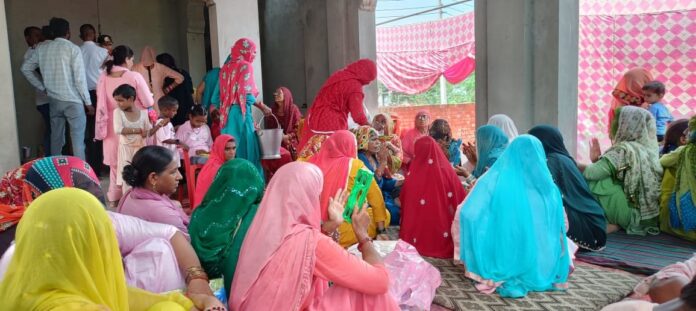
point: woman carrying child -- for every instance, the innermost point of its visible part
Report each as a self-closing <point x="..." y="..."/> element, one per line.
<point x="117" y="72"/>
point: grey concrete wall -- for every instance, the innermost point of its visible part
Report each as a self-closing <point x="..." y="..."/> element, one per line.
<point x="307" y="40"/>
<point x="136" y="23"/>
<point x="192" y="12"/>
<point x="283" y="50"/>
<point x="527" y="63"/>
<point x="231" y="20"/>
<point x="9" y="153"/>
<point x="316" y="49"/>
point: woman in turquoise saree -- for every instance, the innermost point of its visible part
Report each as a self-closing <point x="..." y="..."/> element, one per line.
<point x="218" y="226"/>
<point x="512" y="230"/>
<point x="238" y="94"/>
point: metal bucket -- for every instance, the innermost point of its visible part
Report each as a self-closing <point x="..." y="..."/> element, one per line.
<point x="270" y="140"/>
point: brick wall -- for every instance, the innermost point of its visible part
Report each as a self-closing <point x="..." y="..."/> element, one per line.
<point x="461" y="117"/>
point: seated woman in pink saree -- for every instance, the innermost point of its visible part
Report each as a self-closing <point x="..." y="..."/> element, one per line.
<point x="292" y="269"/>
<point x="409" y="137"/>
<point x="154" y="175"/>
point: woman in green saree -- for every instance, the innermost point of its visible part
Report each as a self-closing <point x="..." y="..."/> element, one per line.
<point x="677" y="205"/>
<point x="626" y="178"/>
<point x="218" y="226"/>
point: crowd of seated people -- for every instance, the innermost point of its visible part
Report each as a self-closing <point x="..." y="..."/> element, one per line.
<point x="512" y="209"/>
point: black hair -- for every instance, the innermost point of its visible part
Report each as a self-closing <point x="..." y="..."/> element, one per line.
<point x="28" y="30"/>
<point x="119" y="54"/>
<point x="59" y="26"/>
<point x="197" y="111"/>
<point x="148" y="160"/>
<point x="47" y="32"/>
<point x="440" y="130"/>
<point x="85" y="28"/>
<point x="166" y="102"/>
<point x="125" y="91"/>
<point x="674" y="132"/>
<point x="167" y="60"/>
<point x="688" y="294"/>
<point x="102" y="39"/>
<point x="656" y="87"/>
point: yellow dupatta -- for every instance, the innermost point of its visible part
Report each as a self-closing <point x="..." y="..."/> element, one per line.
<point x="67" y="258"/>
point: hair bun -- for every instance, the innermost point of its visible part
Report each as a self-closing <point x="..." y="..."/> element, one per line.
<point x="130" y="175"/>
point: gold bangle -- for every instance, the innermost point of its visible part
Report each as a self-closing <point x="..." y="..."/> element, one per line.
<point x="195" y="272"/>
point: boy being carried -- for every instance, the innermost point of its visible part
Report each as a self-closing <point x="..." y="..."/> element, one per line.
<point x="654" y="91"/>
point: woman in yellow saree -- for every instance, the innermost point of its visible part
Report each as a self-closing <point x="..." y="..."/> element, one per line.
<point x="67" y="258"/>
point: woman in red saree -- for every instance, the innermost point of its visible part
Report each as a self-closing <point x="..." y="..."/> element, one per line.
<point x="426" y="216"/>
<point x="629" y="90"/>
<point x="408" y="138"/>
<point x="12" y="203"/>
<point x="340" y="95"/>
<point x="288" y="118"/>
<point x="224" y="149"/>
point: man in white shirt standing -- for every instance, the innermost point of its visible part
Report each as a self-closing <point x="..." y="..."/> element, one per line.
<point x="94" y="57"/>
<point x="33" y="37"/>
<point x="63" y="72"/>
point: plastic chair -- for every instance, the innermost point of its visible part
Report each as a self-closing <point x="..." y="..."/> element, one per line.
<point x="191" y="171"/>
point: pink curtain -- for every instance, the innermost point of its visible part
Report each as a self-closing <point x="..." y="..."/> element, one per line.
<point x="411" y="58"/>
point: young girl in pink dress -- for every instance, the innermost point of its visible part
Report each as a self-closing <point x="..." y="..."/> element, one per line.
<point x="195" y="135"/>
<point x="132" y="125"/>
<point x="115" y="74"/>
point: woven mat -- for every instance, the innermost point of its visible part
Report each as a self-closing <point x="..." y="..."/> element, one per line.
<point x="591" y="288"/>
<point x="640" y="254"/>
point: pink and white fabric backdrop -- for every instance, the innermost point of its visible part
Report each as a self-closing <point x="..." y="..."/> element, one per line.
<point x="411" y="58"/>
<point x="615" y="36"/>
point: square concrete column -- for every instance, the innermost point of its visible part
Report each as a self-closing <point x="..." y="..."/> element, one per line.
<point x="352" y="35"/>
<point x="9" y="153"/>
<point x="527" y="63"/>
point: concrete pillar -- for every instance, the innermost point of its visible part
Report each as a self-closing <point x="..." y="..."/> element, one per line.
<point x="9" y="153"/>
<point x="352" y="35"/>
<point x="316" y="50"/>
<point x="231" y="20"/>
<point x="368" y="49"/>
<point x="527" y="63"/>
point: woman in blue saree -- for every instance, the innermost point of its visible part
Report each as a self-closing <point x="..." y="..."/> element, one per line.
<point x="238" y="93"/>
<point x="512" y="231"/>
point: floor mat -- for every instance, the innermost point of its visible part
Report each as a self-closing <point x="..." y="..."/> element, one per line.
<point x="640" y="254"/>
<point x="590" y="288"/>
